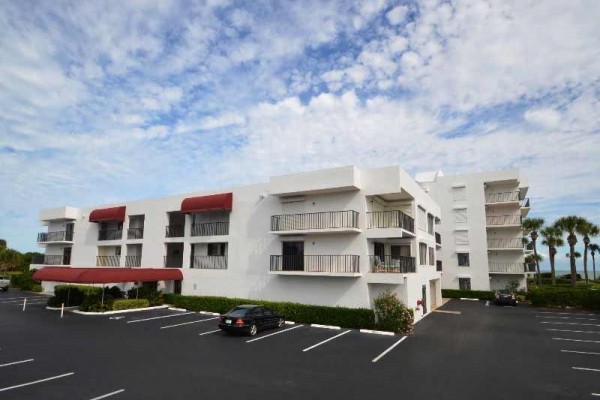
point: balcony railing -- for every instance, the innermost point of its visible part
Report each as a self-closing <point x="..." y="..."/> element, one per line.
<point x="108" y="261"/>
<point x="438" y="266"/>
<point x="208" y="262"/>
<point x="438" y="238"/>
<point x="51" y="260"/>
<point x="173" y="262"/>
<point x="503" y="197"/>
<point x="61" y="236"/>
<point x="318" y="220"/>
<point x="135" y="233"/>
<point x="317" y="263"/>
<point x="210" y="229"/>
<point x="506" y="267"/>
<point x="499" y="220"/>
<point x="392" y="264"/>
<point x="390" y="219"/>
<point x="505" y="243"/>
<point x="110" y="234"/>
<point x="133" y="261"/>
<point x="174" y="231"/>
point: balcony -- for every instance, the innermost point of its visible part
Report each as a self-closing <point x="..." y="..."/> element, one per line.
<point x="173" y="261"/>
<point x="317" y="265"/>
<point x="390" y="219"/>
<point x="500" y="267"/>
<point x="51" y="260"/>
<point x="172" y="231"/>
<point x="498" y="221"/>
<point x="438" y="239"/>
<point x="319" y="222"/>
<point x="108" y="261"/>
<point x="48" y="237"/>
<point x="525" y="207"/>
<point x="208" y="262"/>
<point x="392" y="264"/>
<point x="502" y="197"/>
<point x="210" y="229"/>
<point x="133" y="261"/>
<point x="110" y="234"/>
<point x="438" y="266"/>
<point x="530" y="267"/>
<point x="135" y="233"/>
<point x="505" y="244"/>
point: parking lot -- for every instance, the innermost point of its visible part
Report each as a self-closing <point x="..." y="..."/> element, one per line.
<point x="468" y="351"/>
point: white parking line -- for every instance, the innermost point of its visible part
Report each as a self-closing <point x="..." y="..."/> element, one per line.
<point x="581" y="352"/>
<point x="388" y="349"/>
<point x="16" y="362"/>
<point x="20" y="301"/>
<point x="564" y="313"/>
<point x="576" y="340"/>
<point x="188" y="323"/>
<point x="567" y="330"/>
<point x="273" y="334"/>
<point x="161" y="317"/>
<point x="209" y="332"/>
<point x="586" y="369"/>
<point x="38" y="381"/>
<point x="325" y="341"/>
<point x="596" y="394"/>
<point x="108" y="394"/>
<point x="584" y="319"/>
<point x="568" y="323"/>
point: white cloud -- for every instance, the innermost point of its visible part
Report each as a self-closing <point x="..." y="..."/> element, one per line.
<point x="397" y="15"/>
<point x="544" y="117"/>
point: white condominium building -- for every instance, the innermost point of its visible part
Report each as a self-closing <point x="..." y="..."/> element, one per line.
<point x="481" y="227"/>
<point x="336" y="237"/>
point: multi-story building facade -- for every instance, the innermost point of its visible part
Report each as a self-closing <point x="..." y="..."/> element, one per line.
<point x="483" y="245"/>
<point x="336" y="237"/>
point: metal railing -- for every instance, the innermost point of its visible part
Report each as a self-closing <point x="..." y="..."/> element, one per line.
<point x="173" y="262"/>
<point x="210" y="229"/>
<point x="133" y="261"/>
<point x="390" y="219"/>
<point x="392" y="264"/>
<point x="208" y="262"/>
<point x="499" y="220"/>
<point x="108" y="261"/>
<point x="174" y="231"/>
<point x="318" y="220"/>
<point x="506" y="267"/>
<point x="438" y="266"/>
<point x="505" y="243"/>
<point x="61" y="236"/>
<point x="438" y="238"/>
<point x="502" y="197"/>
<point x="53" y="260"/>
<point x="135" y="233"/>
<point x="316" y="263"/>
<point x="110" y="234"/>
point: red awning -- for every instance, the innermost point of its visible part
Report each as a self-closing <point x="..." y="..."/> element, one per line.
<point x="108" y="214"/>
<point x="106" y="275"/>
<point x="214" y="202"/>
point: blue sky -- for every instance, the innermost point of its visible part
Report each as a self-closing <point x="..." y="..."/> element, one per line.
<point x="107" y="101"/>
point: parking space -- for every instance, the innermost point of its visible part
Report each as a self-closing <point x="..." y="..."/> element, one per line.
<point x="468" y="351"/>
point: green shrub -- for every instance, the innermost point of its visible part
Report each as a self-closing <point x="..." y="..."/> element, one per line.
<point x="37" y="288"/>
<point x="583" y="298"/>
<point x="468" y="294"/>
<point x="72" y="295"/>
<point x="392" y="315"/>
<point x="340" y="316"/>
<point x="128" y="304"/>
<point x="154" y="297"/>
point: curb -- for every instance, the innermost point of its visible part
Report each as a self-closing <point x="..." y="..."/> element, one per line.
<point x="176" y="309"/>
<point x="209" y="313"/>
<point x="118" y="311"/>
<point x="377" y="332"/>
<point x="332" y="327"/>
<point x="58" y="308"/>
<point x="290" y="323"/>
<point x="468" y="299"/>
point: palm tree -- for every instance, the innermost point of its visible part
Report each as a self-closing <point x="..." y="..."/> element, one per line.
<point x="570" y="225"/>
<point x="587" y="230"/>
<point x="593" y="249"/>
<point x="553" y="239"/>
<point x="532" y="225"/>
<point x="532" y="259"/>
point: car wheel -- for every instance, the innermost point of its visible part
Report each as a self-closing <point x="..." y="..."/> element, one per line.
<point x="253" y="330"/>
<point x="280" y="323"/>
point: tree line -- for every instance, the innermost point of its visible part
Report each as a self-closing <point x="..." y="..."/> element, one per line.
<point x="13" y="260"/>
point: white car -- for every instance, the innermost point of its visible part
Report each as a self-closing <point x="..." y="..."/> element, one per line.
<point x="4" y="283"/>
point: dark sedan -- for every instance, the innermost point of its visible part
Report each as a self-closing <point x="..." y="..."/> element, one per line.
<point x="250" y="319"/>
<point x="505" y="297"/>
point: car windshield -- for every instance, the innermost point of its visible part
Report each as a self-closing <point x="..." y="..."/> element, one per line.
<point x="238" y="312"/>
<point x="505" y="291"/>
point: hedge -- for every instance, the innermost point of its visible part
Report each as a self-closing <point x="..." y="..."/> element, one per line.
<point x="468" y="294"/>
<point x="583" y="298"/>
<point x="72" y="295"/>
<point x="346" y="317"/>
<point x="128" y="304"/>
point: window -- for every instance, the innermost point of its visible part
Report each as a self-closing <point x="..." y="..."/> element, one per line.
<point x="459" y="193"/>
<point x="422" y="219"/>
<point x="422" y="254"/>
<point x="460" y="215"/>
<point x="430" y="223"/>
<point x="464" y="283"/>
<point x="461" y="238"/>
<point x="216" y="249"/>
<point x="398" y="251"/>
<point x="431" y="256"/>
<point x="463" y="259"/>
